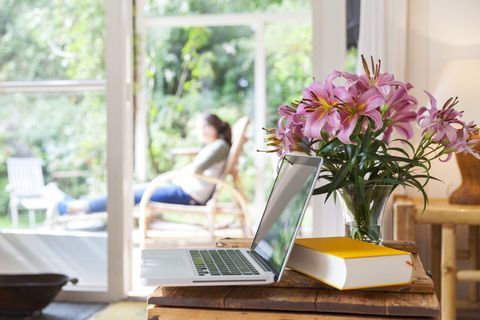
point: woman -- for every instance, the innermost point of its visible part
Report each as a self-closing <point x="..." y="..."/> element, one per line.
<point x="215" y="134"/>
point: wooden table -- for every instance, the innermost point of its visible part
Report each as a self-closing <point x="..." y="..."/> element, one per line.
<point x="297" y="297"/>
<point x="443" y="217"/>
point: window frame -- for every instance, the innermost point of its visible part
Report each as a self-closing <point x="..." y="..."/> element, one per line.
<point x="117" y="87"/>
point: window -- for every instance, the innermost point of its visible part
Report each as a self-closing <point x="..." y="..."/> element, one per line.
<point x="52" y="107"/>
<point x="230" y="57"/>
<point x="353" y="29"/>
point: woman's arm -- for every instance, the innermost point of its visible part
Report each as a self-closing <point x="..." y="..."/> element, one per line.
<point x="208" y="156"/>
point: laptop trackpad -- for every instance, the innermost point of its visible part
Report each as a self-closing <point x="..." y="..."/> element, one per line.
<point x="167" y="264"/>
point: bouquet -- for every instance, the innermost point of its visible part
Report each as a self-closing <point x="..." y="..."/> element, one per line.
<point x="350" y="121"/>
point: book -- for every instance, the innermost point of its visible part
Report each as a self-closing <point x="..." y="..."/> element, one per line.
<point x="344" y="263"/>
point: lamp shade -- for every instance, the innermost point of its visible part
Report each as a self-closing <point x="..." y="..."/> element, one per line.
<point x="461" y="78"/>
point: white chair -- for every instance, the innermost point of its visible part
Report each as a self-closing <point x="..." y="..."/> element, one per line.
<point x="26" y="186"/>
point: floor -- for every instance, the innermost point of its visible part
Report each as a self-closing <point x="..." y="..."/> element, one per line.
<point x="62" y="311"/>
<point x="125" y="310"/>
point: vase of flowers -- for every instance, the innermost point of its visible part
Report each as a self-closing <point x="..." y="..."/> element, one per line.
<point x="349" y="120"/>
<point x="364" y="212"/>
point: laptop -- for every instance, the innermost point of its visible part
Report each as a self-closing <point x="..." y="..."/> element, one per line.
<point x="265" y="260"/>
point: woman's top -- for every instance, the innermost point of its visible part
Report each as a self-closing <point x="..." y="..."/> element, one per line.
<point x="210" y="162"/>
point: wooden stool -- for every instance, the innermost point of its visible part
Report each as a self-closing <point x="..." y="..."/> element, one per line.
<point x="443" y="217"/>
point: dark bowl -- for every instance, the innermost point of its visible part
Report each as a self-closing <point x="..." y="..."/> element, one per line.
<point x="27" y="293"/>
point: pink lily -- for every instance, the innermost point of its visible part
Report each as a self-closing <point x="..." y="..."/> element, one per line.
<point x="400" y="113"/>
<point x="465" y="142"/>
<point x="319" y="108"/>
<point x="440" y="125"/>
<point x="290" y="128"/>
<point x="355" y="105"/>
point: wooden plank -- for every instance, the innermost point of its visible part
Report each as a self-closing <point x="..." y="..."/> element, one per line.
<point x="268" y="298"/>
<point x="412" y="305"/>
<point x="298" y="299"/>
<point x="166" y="313"/>
<point x="421" y="283"/>
<point x="310" y="300"/>
<point x="449" y="294"/>
<point x="439" y="211"/>
<point x="383" y="304"/>
<point x="207" y="297"/>
<point x="404" y="245"/>
<point x="435" y="258"/>
<point x="469" y="275"/>
<point x="404" y="220"/>
<point x="353" y="302"/>
<point x="473" y="238"/>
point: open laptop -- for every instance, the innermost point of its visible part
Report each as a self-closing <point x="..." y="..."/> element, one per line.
<point x="265" y="260"/>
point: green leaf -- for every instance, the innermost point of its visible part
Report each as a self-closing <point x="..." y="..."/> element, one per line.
<point x="338" y="180"/>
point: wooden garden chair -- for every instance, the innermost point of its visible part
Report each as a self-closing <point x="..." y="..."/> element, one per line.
<point x="214" y="207"/>
<point x="26" y="188"/>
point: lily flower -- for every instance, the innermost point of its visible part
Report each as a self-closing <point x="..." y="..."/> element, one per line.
<point x="399" y="113"/>
<point x="440" y="124"/>
<point x="319" y="108"/>
<point x="356" y="105"/>
<point x="467" y="139"/>
<point x="290" y="129"/>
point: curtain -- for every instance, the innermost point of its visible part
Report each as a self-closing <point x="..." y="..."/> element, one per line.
<point x="383" y="34"/>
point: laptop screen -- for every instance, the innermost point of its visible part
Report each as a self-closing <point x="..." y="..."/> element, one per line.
<point x="284" y="210"/>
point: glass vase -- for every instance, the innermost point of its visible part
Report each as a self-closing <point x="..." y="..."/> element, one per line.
<point x="363" y="211"/>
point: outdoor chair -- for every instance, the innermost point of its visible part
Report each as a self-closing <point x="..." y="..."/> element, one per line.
<point x="25" y="187"/>
<point x="215" y="206"/>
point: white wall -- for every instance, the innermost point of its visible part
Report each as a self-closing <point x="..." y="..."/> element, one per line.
<point x="439" y="31"/>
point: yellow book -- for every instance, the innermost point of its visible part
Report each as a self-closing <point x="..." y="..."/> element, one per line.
<point x="345" y="263"/>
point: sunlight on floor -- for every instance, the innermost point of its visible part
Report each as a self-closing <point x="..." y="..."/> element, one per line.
<point x="125" y="310"/>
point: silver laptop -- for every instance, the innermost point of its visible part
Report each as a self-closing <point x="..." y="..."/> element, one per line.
<point x="265" y="260"/>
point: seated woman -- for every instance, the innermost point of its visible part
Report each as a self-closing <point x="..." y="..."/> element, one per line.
<point x="215" y="134"/>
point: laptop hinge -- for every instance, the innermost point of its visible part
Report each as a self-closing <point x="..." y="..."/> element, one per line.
<point x="262" y="262"/>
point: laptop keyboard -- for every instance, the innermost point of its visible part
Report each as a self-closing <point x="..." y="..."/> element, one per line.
<point x="221" y="262"/>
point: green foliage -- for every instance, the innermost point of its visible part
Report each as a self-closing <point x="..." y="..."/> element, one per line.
<point x="351" y="60"/>
<point x="359" y="170"/>
<point x="197" y="70"/>
<point x="371" y="161"/>
<point x="185" y="7"/>
<point x="43" y="40"/>
<point x="288" y="63"/>
<point x="59" y="39"/>
<point x="189" y="71"/>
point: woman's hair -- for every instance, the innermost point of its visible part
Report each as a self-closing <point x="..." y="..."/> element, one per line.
<point x="223" y="128"/>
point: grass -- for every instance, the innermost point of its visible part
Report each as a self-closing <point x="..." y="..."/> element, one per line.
<point x="6" y="222"/>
